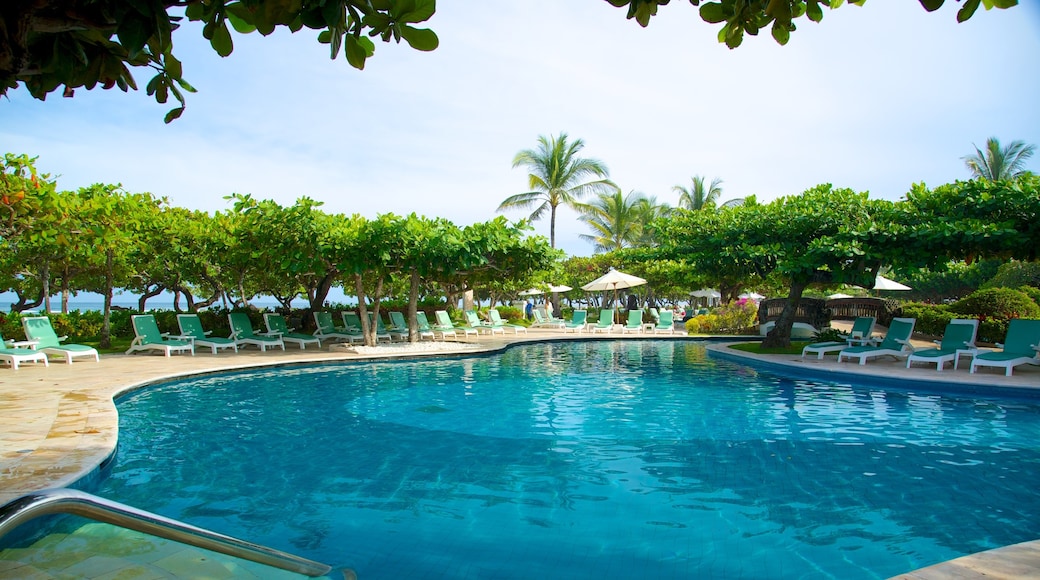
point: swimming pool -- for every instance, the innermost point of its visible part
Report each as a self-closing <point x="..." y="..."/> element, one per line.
<point x="583" y="460"/>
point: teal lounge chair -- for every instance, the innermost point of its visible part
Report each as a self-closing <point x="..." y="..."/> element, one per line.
<point x="276" y="326"/>
<point x="383" y="331"/>
<point x="605" y="322"/>
<point x="541" y="318"/>
<point x="38" y="329"/>
<point x="397" y="318"/>
<point x="190" y="325"/>
<point x="1019" y="347"/>
<point x="634" y="322"/>
<point x="475" y="322"/>
<point x="147" y="337"/>
<point x="13" y="353"/>
<point x="665" y="322"/>
<point x="424" y="324"/>
<point x="578" y="321"/>
<point x="860" y="335"/>
<point x="958" y="336"/>
<point x="326" y="329"/>
<point x="496" y="320"/>
<point x="352" y="322"/>
<point x="242" y="333"/>
<point x="444" y="322"/>
<point x="896" y="343"/>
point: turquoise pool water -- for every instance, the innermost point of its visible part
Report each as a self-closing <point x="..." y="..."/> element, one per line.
<point x="644" y="459"/>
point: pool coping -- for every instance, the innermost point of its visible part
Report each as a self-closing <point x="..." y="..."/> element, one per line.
<point x="59" y="424"/>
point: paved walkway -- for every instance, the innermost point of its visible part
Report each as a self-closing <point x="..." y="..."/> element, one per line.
<point x="59" y="423"/>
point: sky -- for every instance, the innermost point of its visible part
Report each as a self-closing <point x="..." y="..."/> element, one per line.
<point x="874" y="98"/>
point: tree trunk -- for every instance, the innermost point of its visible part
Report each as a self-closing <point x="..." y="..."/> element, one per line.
<point x="413" y="307"/>
<point x="106" y="326"/>
<point x="143" y="300"/>
<point x="780" y="335"/>
<point x="45" y="283"/>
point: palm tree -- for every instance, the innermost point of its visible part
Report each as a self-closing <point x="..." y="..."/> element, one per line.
<point x="648" y="210"/>
<point x="614" y="219"/>
<point x="557" y="177"/>
<point x="697" y="197"/>
<point x="996" y="163"/>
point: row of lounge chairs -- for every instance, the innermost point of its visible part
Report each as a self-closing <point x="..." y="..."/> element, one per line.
<point x="1021" y="346"/>
<point x="40" y="343"/>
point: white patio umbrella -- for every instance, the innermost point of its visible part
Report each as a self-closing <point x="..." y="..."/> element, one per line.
<point x="552" y="288"/>
<point x="838" y="295"/>
<point x="710" y="293"/>
<point x="751" y="296"/>
<point x="613" y="280"/>
<point x="882" y="283"/>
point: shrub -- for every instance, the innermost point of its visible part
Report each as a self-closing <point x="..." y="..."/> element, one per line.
<point x="510" y="313"/>
<point x="830" y="335"/>
<point x="1014" y="274"/>
<point x="994" y="307"/>
<point x="733" y="318"/>
<point x="1032" y="292"/>
<point x="931" y="318"/>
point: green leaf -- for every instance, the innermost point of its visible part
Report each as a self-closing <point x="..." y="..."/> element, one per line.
<point x="221" y="40"/>
<point x="186" y="86"/>
<point x="1000" y="3"/>
<point x="241" y="18"/>
<point x="966" y="11"/>
<point x="421" y="12"/>
<point x="419" y="38"/>
<point x="814" y="11"/>
<point x="712" y="13"/>
<point x="173" y="66"/>
<point x="133" y="33"/>
<point x="931" y="5"/>
<point x="173" y="115"/>
<point x="780" y="33"/>
<point x="354" y="52"/>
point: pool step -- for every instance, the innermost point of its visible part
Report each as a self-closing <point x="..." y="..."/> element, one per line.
<point x="97" y="551"/>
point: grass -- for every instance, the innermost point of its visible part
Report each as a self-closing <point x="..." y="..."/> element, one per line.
<point x="756" y="348"/>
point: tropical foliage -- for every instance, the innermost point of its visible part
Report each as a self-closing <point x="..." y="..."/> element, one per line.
<point x="103" y="239"/>
<point x="996" y="162"/>
<point x="699" y="196"/>
<point x="557" y="176"/>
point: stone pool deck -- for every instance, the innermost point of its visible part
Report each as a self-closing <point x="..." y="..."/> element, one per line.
<point x="58" y="423"/>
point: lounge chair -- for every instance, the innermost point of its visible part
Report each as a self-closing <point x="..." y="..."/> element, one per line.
<point x="424" y="324"/>
<point x="634" y="322"/>
<point x="496" y="319"/>
<point x="190" y="325"/>
<point x="352" y="324"/>
<point x="326" y="329"/>
<point x="896" y="343"/>
<point x="473" y="320"/>
<point x="578" y="321"/>
<point x="444" y="323"/>
<point x="654" y="314"/>
<point x="38" y="330"/>
<point x="860" y="335"/>
<point x="397" y="318"/>
<point x="1019" y="347"/>
<point x="958" y="336"/>
<point x="15" y="353"/>
<point x="382" y="331"/>
<point x="605" y="322"/>
<point x="665" y="322"/>
<point x="148" y="337"/>
<point x="242" y="333"/>
<point x="276" y="326"/>
<point x="541" y="318"/>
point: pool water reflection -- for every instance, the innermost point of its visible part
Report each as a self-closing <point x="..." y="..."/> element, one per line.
<point x="583" y="460"/>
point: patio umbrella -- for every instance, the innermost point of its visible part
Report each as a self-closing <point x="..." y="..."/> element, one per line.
<point x="838" y="295"/>
<point x="552" y="288"/>
<point x="751" y="296"/>
<point x="882" y="283"/>
<point x="613" y="280"/>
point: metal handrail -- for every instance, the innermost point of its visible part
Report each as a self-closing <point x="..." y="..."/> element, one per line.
<point x="71" y="501"/>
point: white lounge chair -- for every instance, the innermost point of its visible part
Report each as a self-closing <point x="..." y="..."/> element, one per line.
<point x="860" y="335"/>
<point x="958" y="336"/>
<point x="276" y="326"/>
<point x="190" y="325"/>
<point x="1019" y="348"/>
<point x="896" y="343"/>
<point x="148" y="338"/>
<point x="38" y="329"/>
<point x="15" y="353"/>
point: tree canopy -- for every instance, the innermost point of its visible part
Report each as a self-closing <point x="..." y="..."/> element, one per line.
<point x="47" y="45"/>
